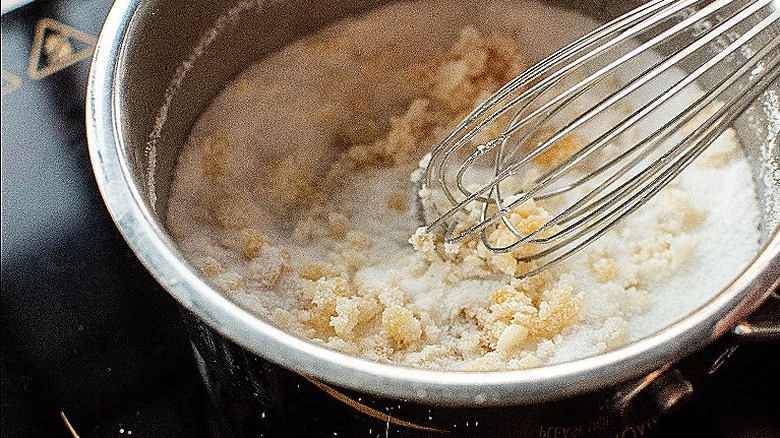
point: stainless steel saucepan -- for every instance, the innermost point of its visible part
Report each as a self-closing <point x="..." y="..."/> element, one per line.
<point x="157" y="65"/>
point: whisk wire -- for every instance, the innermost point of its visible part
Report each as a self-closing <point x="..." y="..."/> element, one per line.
<point x="583" y="205"/>
<point x="667" y="166"/>
<point x="643" y="79"/>
<point x="595" y="78"/>
<point x="572" y="51"/>
<point x="572" y="93"/>
<point x="580" y="155"/>
<point x="723" y="119"/>
<point x="620" y="183"/>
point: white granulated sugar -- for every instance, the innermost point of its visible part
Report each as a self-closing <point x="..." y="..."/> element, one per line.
<point x="297" y="190"/>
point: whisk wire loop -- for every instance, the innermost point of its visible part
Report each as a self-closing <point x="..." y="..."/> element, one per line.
<point x="577" y="51"/>
<point x="629" y="93"/>
<point x="666" y="167"/>
<point x="584" y="205"/>
<point x="530" y="94"/>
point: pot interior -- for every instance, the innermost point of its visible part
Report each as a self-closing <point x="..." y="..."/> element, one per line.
<point x="171" y="65"/>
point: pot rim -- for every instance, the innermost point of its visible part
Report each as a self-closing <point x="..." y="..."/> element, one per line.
<point x="147" y="238"/>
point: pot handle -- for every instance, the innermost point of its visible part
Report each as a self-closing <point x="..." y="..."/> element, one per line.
<point x="763" y="325"/>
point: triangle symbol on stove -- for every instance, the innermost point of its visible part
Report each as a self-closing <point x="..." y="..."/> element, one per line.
<point x="56" y="46"/>
<point x="11" y="82"/>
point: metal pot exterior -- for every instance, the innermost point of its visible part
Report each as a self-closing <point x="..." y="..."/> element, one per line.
<point x="254" y="397"/>
<point x="177" y="56"/>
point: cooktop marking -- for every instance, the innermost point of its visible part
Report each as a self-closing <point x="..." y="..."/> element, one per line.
<point x="11" y="82"/>
<point x="67" y="424"/>
<point x="56" y="46"/>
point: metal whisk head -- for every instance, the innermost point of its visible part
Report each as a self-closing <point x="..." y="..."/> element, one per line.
<point x="598" y="128"/>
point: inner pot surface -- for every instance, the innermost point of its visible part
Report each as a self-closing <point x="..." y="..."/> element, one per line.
<point x="157" y="66"/>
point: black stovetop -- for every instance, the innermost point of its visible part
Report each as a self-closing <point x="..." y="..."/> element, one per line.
<point x="91" y="345"/>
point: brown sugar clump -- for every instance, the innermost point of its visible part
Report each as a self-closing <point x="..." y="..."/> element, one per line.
<point x="401" y="325"/>
<point x="216" y="154"/>
<point x="397" y="201"/>
<point x="252" y="242"/>
<point x="559" y="151"/>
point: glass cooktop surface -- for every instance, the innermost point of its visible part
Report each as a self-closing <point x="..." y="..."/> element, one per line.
<point x="91" y="345"/>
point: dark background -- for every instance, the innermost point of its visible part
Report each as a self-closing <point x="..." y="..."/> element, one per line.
<point x="89" y="336"/>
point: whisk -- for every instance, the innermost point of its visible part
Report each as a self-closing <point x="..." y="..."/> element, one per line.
<point x="595" y="130"/>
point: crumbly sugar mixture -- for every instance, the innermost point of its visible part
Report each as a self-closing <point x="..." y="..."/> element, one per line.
<point x="293" y="196"/>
